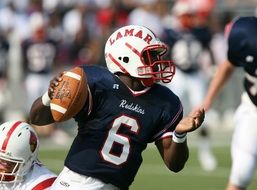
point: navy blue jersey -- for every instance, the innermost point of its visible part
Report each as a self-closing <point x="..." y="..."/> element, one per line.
<point x="4" y="49"/>
<point x="116" y="126"/>
<point x="242" y="51"/>
<point x="39" y="56"/>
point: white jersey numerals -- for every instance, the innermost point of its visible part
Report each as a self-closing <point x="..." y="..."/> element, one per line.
<point x="116" y="139"/>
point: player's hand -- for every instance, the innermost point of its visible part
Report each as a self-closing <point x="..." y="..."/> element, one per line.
<point x="206" y="104"/>
<point x="53" y="84"/>
<point x="190" y="123"/>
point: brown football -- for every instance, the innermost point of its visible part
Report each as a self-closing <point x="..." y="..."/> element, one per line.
<point x="70" y="95"/>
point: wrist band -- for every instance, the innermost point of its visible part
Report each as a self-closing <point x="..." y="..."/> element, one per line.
<point x="179" y="138"/>
<point x="46" y="99"/>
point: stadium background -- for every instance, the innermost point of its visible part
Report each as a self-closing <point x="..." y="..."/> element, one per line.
<point x="152" y="174"/>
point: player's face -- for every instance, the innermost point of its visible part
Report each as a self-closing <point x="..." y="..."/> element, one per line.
<point x="186" y="20"/>
<point x="7" y="167"/>
<point x="150" y="57"/>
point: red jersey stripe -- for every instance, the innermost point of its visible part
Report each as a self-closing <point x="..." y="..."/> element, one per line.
<point x="44" y="184"/>
<point x="7" y="138"/>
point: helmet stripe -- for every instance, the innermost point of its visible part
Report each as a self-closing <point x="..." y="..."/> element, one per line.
<point x="117" y="63"/>
<point x="133" y="49"/>
<point x="7" y="138"/>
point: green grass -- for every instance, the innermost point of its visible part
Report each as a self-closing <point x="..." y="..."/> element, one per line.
<point x="153" y="175"/>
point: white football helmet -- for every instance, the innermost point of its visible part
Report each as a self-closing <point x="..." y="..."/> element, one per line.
<point x="18" y="150"/>
<point x="136" y="51"/>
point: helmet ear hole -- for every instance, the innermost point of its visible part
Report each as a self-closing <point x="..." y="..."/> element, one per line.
<point x="125" y="59"/>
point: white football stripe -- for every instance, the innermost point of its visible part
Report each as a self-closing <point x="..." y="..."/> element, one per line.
<point x="58" y="108"/>
<point x="72" y="75"/>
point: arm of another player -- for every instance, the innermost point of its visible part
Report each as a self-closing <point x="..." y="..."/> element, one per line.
<point x="174" y="151"/>
<point x="223" y="73"/>
<point x="40" y="113"/>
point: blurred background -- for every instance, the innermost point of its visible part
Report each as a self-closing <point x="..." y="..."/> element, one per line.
<point x="40" y="38"/>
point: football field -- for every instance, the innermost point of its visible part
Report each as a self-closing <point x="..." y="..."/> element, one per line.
<point x="153" y="175"/>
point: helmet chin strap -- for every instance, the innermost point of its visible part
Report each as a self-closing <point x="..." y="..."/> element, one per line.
<point x="147" y="82"/>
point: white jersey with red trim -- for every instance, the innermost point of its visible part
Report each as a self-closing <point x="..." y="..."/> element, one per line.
<point x="39" y="178"/>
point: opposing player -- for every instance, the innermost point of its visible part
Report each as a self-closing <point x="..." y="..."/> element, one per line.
<point x="126" y="109"/>
<point x="242" y="52"/>
<point x="19" y="167"/>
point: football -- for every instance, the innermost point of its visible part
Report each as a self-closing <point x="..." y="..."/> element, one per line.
<point x="70" y="95"/>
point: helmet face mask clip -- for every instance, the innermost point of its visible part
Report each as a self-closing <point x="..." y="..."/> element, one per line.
<point x="154" y="65"/>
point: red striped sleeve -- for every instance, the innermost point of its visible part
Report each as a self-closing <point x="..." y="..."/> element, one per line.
<point x="44" y="184"/>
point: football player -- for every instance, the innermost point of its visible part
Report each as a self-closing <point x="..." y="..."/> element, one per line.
<point x="19" y="167"/>
<point x="126" y="109"/>
<point x="241" y="36"/>
<point x="189" y="41"/>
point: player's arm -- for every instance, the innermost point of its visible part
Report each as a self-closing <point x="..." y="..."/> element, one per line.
<point x="40" y="113"/>
<point x="223" y="73"/>
<point x="173" y="154"/>
<point x="174" y="151"/>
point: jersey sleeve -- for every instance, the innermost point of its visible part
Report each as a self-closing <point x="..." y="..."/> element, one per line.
<point x="44" y="184"/>
<point x="242" y="42"/>
<point x="171" y="116"/>
<point x="170" y="127"/>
